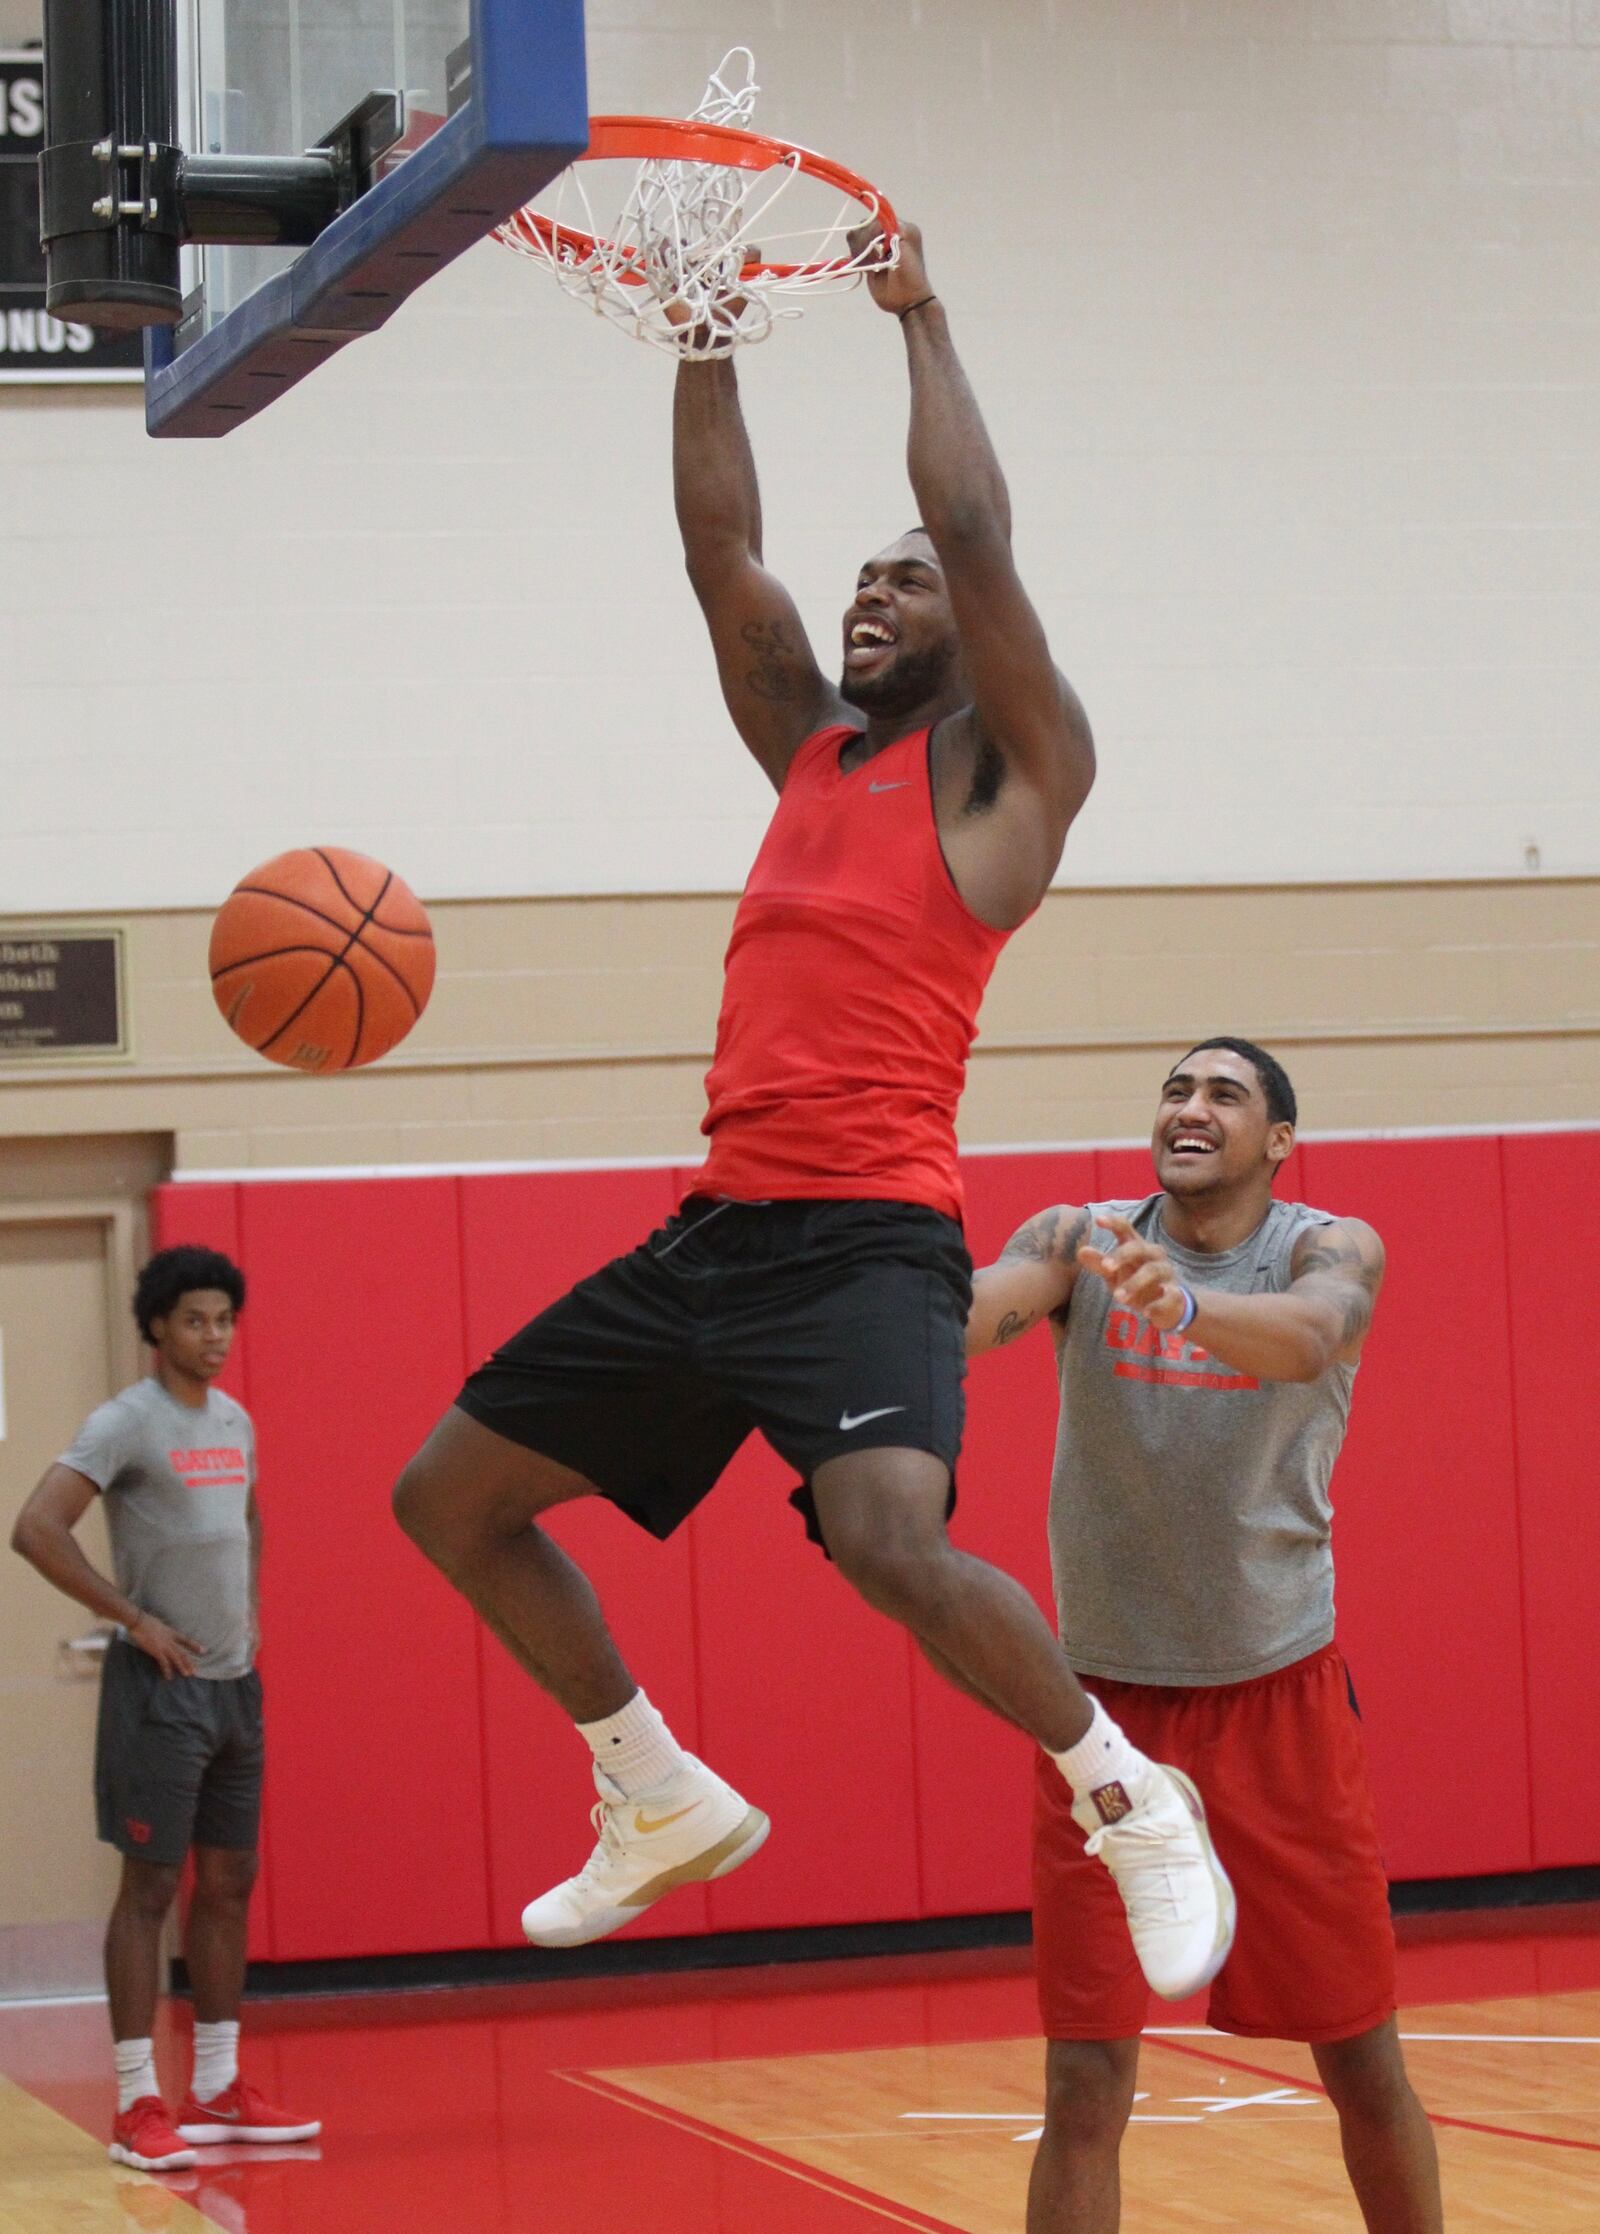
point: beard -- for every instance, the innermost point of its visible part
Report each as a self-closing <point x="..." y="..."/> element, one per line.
<point x="905" y="684"/>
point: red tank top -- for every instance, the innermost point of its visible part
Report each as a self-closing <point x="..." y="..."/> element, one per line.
<point x="851" y="994"/>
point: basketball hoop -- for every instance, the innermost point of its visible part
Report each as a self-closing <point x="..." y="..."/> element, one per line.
<point x="719" y="232"/>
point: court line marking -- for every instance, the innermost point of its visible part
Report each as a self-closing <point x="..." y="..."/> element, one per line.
<point x="1513" y="2039"/>
<point x="758" y="2153"/>
<point x="1435" y="2117"/>
<point x="1469" y="2039"/>
<point x="48" y="2001"/>
<point x="1029" y="2119"/>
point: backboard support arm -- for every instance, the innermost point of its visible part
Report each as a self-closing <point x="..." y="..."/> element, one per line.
<point x="118" y="196"/>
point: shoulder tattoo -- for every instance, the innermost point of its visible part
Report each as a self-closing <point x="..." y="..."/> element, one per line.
<point x="1337" y="1261"/>
<point x="1053" y="1234"/>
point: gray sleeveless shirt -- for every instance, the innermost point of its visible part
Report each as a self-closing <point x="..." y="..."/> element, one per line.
<point x="1190" y="1521"/>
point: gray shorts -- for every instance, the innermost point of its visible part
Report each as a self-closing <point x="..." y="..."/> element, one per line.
<point x="177" y="1759"/>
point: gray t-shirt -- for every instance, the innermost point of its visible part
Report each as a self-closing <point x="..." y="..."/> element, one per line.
<point x="177" y="1483"/>
<point x="1190" y="1519"/>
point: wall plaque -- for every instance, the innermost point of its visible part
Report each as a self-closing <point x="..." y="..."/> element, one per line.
<point x="61" y="994"/>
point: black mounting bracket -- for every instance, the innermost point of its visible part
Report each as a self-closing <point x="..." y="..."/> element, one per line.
<point x="359" y="141"/>
<point x="118" y="196"/>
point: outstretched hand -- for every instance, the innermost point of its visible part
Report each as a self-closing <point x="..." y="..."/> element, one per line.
<point x="894" y="287"/>
<point x="1138" y="1272"/>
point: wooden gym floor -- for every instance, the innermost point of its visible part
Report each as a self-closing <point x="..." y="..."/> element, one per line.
<point x="825" y="2098"/>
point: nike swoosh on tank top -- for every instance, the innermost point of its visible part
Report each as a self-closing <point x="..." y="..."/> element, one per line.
<point x="850" y="1000"/>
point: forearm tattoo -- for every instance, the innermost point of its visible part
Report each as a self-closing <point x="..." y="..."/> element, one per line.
<point x="772" y="676"/>
<point x="1050" y="1238"/>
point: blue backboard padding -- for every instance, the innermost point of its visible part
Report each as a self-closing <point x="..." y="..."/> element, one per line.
<point x="526" y="119"/>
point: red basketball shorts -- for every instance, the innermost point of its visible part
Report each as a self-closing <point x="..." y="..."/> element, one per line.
<point x="1282" y="1767"/>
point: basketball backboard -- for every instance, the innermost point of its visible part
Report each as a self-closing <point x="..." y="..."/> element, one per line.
<point x="468" y="107"/>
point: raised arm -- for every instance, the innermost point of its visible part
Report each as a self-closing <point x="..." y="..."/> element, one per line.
<point x="774" y="689"/>
<point x="1022" y="705"/>
<point x="1030" y="1280"/>
<point x="1320" y="1319"/>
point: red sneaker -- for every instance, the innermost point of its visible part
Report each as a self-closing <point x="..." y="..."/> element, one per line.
<point x="143" y="2137"/>
<point x="241" y="2113"/>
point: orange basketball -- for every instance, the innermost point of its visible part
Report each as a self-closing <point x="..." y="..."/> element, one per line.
<point x="322" y="959"/>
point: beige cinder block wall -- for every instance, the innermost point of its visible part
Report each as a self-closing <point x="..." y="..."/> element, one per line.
<point x="1270" y="304"/>
<point x="1271" y="307"/>
<point x="581" y="1028"/>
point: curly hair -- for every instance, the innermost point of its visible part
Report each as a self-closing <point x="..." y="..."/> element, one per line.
<point x="172" y="1273"/>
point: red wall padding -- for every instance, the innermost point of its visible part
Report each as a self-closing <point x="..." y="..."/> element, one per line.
<point x="420" y="1789"/>
<point x="375" y="1803"/>
<point x="1552" y="1201"/>
<point x="524" y="1242"/>
<point x="1425" y="1493"/>
<point x="805" y="1703"/>
<point x="977" y="1772"/>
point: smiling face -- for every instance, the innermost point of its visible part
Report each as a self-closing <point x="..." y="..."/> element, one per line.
<point x="900" y="642"/>
<point x="1213" y="1131"/>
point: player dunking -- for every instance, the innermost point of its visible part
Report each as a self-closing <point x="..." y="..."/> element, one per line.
<point x="815" y="1283"/>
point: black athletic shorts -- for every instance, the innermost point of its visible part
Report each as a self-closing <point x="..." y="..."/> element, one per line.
<point x="177" y="1759"/>
<point x="830" y="1326"/>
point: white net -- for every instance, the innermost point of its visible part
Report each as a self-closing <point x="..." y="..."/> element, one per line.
<point x="697" y="256"/>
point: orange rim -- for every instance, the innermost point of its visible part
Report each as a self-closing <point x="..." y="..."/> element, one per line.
<point x="677" y="139"/>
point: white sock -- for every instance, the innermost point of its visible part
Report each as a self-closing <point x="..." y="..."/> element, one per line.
<point x="216" y="2059"/>
<point x="136" y="2072"/>
<point x="1104" y="1767"/>
<point x="635" y="1748"/>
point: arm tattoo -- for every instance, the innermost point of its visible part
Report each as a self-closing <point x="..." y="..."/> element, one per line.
<point x="770" y="677"/>
<point x="1357" y="1315"/>
<point x="1033" y="1241"/>
<point x="1013" y="1324"/>
<point x="1329" y="1253"/>
<point x="1338" y="1263"/>
<point x="1048" y="1236"/>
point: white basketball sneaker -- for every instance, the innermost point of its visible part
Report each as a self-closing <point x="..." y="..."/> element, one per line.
<point x="693" y="1829"/>
<point x="1181" y="1909"/>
